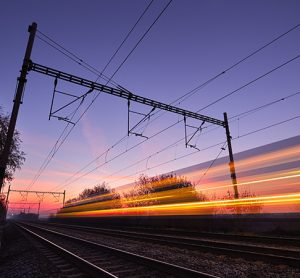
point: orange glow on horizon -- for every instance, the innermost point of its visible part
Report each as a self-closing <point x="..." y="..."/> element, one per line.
<point x="268" y="182"/>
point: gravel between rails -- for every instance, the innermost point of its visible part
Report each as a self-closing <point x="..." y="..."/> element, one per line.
<point x="212" y="238"/>
<point x="20" y="258"/>
<point x="219" y="265"/>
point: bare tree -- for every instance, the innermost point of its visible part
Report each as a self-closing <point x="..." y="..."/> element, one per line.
<point x="16" y="157"/>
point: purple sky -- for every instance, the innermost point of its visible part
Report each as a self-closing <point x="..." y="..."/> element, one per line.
<point x="192" y="42"/>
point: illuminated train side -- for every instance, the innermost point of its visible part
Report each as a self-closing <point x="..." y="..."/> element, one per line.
<point x="271" y="173"/>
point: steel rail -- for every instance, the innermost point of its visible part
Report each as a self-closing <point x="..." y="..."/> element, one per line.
<point x="269" y="254"/>
<point x="294" y="241"/>
<point x="85" y="266"/>
<point x="174" y="270"/>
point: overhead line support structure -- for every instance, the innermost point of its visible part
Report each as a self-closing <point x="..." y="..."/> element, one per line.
<point x="123" y="93"/>
<point x="54" y="194"/>
<point x="120" y="93"/>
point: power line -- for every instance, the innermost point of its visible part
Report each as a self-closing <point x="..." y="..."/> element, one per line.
<point x="161" y="131"/>
<point x="74" y="58"/>
<point x="212" y="163"/>
<point x="267" y="127"/>
<point x="256" y="109"/>
<point x="78" y="60"/>
<point x="239" y="63"/>
<point x="142" y="37"/>
<point x="185" y="96"/>
<point x="53" y="151"/>
<point x="128" y="34"/>
<point x="251" y="82"/>
<point x="244" y="114"/>
<point x="175" y="143"/>
<point x="172" y="160"/>
<point x="117" y="156"/>
<point x="215" y="145"/>
<point x="201" y="86"/>
<point x="140" y="40"/>
<point x="264" y="46"/>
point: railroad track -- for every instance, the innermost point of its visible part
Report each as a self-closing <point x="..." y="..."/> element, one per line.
<point x="288" y="241"/>
<point x="248" y="251"/>
<point x="98" y="260"/>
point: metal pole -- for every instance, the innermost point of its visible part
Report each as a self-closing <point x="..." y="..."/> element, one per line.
<point x="17" y="101"/>
<point x="128" y="115"/>
<point x="64" y="198"/>
<point x="231" y="163"/>
<point x="39" y="209"/>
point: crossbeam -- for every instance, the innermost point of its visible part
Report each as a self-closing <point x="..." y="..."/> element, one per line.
<point x="120" y="93"/>
<point x="38" y="192"/>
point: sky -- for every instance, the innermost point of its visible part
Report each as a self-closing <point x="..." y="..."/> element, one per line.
<point x="192" y="42"/>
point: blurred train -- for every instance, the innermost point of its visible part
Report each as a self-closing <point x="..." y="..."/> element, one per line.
<point x="268" y="182"/>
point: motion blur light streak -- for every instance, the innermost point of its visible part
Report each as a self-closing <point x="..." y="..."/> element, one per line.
<point x="268" y="182"/>
<point x="191" y="208"/>
<point x="256" y="181"/>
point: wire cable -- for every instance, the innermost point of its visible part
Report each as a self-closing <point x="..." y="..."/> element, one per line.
<point x="251" y="82"/>
<point x="178" y="141"/>
<point x="78" y="60"/>
<point x="201" y="86"/>
<point x="210" y="80"/>
<point x="250" y="56"/>
<point x="143" y="36"/>
<point x="212" y="163"/>
<point x="212" y="146"/>
<point x="126" y="37"/>
<point x="172" y="125"/>
<point x="71" y="56"/>
<point x="267" y="127"/>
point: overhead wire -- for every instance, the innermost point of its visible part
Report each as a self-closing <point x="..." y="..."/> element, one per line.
<point x="251" y="82"/>
<point x="201" y="86"/>
<point x="246" y="113"/>
<point x="212" y="163"/>
<point x="253" y="110"/>
<point x="142" y="37"/>
<point x="269" y="126"/>
<point x="193" y="91"/>
<point x="247" y="84"/>
<point x="127" y="36"/>
<point x="166" y="162"/>
<point x="212" y="146"/>
<point x="74" y="57"/>
<point x="256" y="109"/>
<point x="78" y="60"/>
<point x="175" y="123"/>
<point x="242" y="59"/>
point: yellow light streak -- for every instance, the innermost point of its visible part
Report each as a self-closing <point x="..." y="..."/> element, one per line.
<point x="189" y="208"/>
<point x="254" y="182"/>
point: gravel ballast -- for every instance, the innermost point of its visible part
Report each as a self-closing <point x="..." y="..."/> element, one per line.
<point x="219" y="265"/>
<point x="20" y="258"/>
